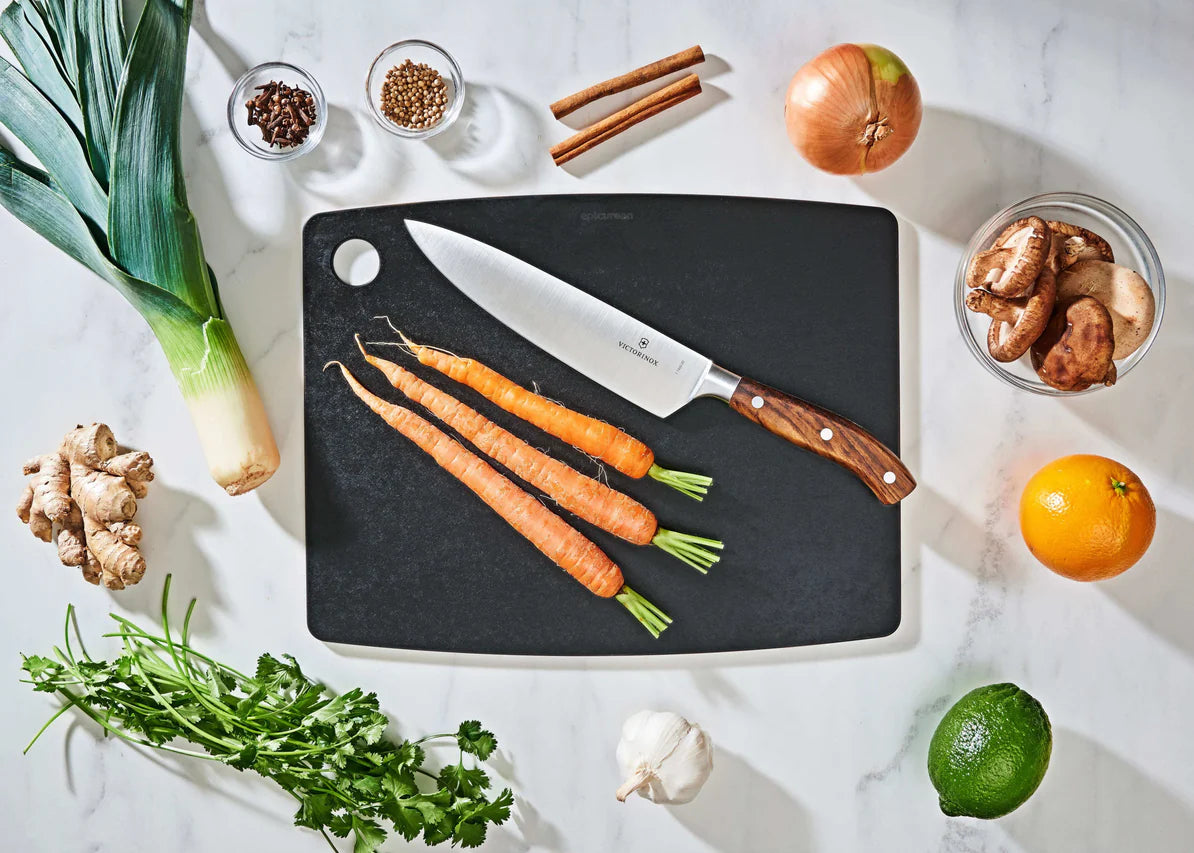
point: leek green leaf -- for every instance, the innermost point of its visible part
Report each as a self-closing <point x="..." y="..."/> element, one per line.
<point x="60" y="18"/>
<point x="202" y="351"/>
<point x="36" y="15"/>
<point x="36" y="122"/>
<point x="39" y="63"/>
<point x="100" y="55"/>
<point x="33" y="197"/>
<point x="152" y="232"/>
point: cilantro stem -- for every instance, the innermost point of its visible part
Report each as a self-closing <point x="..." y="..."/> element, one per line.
<point x="77" y="702"/>
<point x="444" y="736"/>
<point x="173" y="712"/>
<point x="70" y="611"/>
<point x="48" y="723"/>
<point x="141" y="634"/>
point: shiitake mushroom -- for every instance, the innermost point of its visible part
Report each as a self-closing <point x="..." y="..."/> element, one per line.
<point x="1014" y="261"/>
<point x="1075" y="350"/>
<point x="1123" y="292"/>
<point x="1015" y="323"/>
<point x="1073" y="243"/>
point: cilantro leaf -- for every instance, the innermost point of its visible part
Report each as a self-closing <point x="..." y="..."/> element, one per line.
<point x="39" y="667"/>
<point x="472" y="738"/>
<point x="407" y="821"/>
<point x="340" y="825"/>
<point x="399" y="782"/>
<point x="369" y="835"/>
<point x="315" y="811"/>
<point x="370" y="786"/>
<point x="464" y="781"/>
<point x="497" y="810"/>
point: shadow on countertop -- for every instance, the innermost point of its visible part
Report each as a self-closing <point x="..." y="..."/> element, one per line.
<point x="172" y="519"/>
<point x="713" y="66"/>
<point x="638" y="134"/>
<point x="741" y="808"/>
<point x="1151" y="410"/>
<point x="534" y="833"/>
<point x="1156" y="591"/>
<point x="1153" y="406"/>
<point x="496" y="141"/>
<point x="1092" y="799"/>
<point x="227" y="55"/>
<point x="963" y="168"/>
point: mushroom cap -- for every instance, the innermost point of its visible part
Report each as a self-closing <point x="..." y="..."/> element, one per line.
<point x="1074" y="352"/>
<point x="1016" y="323"/>
<point x="1123" y="292"/>
<point x="1014" y="261"/>
<point x="1073" y="243"/>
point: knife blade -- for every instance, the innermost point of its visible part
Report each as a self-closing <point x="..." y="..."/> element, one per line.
<point x="640" y="363"/>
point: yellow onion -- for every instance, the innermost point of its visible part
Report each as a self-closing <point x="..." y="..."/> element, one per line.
<point x="854" y="108"/>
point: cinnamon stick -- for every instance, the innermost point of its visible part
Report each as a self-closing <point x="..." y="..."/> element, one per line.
<point x="640" y="110"/>
<point x="665" y="66"/>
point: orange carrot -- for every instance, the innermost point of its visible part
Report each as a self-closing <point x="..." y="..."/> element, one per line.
<point x="594" y="437"/>
<point x="554" y="537"/>
<point x="593" y="501"/>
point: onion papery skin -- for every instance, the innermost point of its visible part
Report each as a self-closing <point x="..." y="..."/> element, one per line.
<point x="853" y="109"/>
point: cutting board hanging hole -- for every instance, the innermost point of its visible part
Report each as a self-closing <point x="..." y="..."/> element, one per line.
<point x="356" y="262"/>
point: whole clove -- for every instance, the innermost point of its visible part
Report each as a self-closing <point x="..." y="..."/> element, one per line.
<point x="283" y="113"/>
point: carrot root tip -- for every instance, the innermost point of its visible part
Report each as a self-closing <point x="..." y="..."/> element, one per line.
<point x="694" y="486"/>
<point x="695" y="551"/>
<point x="648" y="615"/>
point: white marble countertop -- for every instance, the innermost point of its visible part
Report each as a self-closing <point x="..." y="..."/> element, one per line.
<point x="818" y="748"/>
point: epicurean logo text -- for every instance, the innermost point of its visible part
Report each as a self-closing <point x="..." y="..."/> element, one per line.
<point x="642" y="342"/>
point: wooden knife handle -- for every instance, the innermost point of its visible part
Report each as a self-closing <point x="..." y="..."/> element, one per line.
<point x="827" y="434"/>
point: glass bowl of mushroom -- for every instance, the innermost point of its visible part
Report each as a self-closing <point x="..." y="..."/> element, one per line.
<point x="1060" y="294"/>
<point x="414" y="89"/>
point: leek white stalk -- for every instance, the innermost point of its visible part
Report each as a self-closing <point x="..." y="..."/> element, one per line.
<point x="227" y="411"/>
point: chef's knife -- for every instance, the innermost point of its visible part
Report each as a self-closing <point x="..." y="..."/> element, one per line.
<point x="642" y="364"/>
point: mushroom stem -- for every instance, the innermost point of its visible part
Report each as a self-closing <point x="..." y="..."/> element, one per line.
<point x="1027" y="317"/>
<point x="997" y="307"/>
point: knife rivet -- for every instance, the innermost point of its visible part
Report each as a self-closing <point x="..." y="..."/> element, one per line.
<point x="757" y="402"/>
<point x="889" y="477"/>
<point x="826" y="433"/>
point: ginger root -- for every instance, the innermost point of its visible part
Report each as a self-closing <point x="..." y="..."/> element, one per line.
<point x="88" y="490"/>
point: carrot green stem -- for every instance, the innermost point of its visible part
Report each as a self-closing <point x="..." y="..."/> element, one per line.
<point x="650" y="616"/>
<point x="693" y="550"/>
<point x="693" y="485"/>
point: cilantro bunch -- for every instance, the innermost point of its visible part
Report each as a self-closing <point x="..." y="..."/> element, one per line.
<point x="328" y="752"/>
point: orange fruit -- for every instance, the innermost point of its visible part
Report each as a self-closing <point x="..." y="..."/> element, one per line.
<point x="1087" y="517"/>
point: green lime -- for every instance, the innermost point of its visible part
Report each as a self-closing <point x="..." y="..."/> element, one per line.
<point x="990" y="752"/>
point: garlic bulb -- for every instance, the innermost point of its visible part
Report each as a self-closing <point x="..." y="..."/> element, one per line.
<point x="664" y="757"/>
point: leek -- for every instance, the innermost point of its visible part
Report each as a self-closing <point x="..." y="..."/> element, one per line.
<point x="102" y="116"/>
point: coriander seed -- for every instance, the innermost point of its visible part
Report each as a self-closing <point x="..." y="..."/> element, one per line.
<point x="414" y="96"/>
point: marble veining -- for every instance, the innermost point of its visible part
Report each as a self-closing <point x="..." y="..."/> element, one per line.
<point x="818" y="749"/>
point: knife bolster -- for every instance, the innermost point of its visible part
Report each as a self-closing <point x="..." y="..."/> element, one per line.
<point x="718" y="382"/>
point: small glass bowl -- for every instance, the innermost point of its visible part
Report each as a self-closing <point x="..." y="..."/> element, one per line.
<point x="1128" y="241"/>
<point x="416" y="50"/>
<point x="249" y="136"/>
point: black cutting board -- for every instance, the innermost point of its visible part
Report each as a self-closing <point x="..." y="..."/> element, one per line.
<point x="799" y="295"/>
